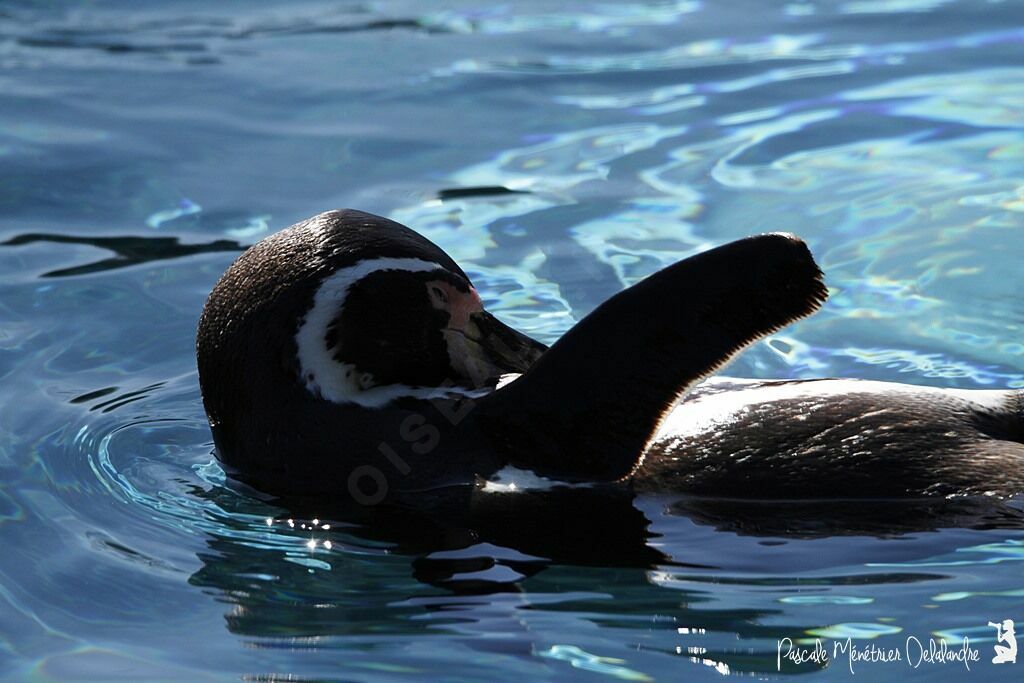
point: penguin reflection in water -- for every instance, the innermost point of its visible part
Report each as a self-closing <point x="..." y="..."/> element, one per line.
<point x="347" y="356"/>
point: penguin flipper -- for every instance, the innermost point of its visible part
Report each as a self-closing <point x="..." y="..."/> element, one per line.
<point x="586" y="410"/>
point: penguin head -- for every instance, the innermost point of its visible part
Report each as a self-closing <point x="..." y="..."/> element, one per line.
<point x="385" y="327"/>
<point x="352" y="309"/>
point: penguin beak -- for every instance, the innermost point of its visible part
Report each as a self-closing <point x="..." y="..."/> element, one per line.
<point x="486" y="348"/>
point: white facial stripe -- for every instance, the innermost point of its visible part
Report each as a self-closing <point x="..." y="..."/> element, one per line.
<point x="340" y="382"/>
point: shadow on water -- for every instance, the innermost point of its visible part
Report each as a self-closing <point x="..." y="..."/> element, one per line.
<point x="447" y="553"/>
<point x="130" y="251"/>
<point x="478" y="191"/>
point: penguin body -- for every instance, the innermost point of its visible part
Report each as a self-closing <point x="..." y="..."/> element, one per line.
<point x="347" y="355"/>
<point x="838" y="438"/>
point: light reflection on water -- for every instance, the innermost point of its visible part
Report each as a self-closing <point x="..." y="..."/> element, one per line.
<point x="887" y="134"/>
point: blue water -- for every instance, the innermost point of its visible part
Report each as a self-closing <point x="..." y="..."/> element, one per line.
<point x="141" y="144"/>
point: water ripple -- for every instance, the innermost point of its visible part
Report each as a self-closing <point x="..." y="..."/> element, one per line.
<point x="725" y="51"/>
<point x="500" y="19"/>
<point x="559" y="154"/>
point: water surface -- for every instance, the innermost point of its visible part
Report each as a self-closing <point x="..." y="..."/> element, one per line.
<point x="141" y="146"/>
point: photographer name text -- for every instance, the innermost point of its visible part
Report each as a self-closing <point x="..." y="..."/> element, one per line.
<point x="914" y="653"/>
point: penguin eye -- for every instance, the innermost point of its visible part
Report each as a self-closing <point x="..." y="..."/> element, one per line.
<point x="439" y="295"/>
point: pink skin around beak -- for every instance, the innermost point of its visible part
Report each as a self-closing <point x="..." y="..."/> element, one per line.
<point x="462" y="338"/>
<point x="459" y="305"/>
<point x="480" y="347"/>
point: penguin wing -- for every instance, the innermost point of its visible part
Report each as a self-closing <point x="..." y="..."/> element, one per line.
<point x="586" y="410"/>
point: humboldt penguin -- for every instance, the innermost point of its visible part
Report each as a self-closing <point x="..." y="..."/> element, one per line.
<point x="349" y="356"/>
